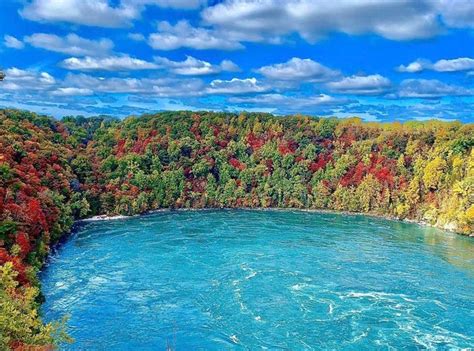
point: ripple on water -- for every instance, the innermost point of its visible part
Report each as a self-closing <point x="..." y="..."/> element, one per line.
<point x="215" y="280"/>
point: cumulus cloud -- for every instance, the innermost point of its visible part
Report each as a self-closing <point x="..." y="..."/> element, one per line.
<point x="71" y="44"/>
<point x="110" y="63"/>
<point x="43" y="84"/>
<point x="194" y="67"/>
<point x="98" y="13"/>
<point x="12" y="42"/>
<point x="271" y="19"/>
<point x="84" y="84"/>
<point x="457" y="14"/>
<point x="175" y="4"/>
<point x="313" y="19"/>
<point x="24" y="80"/>
<point x="108" y="85"/>
<point x="163" y="87"/>
<point x="444" y="65"/>
<point x="183" y="35"/>
<point x="236" y="86"/>
<point x="297" y="69"/>
<point x="429" y="89"/>
<point x="413" y="67"/>
<point x="361" y="85"/>
<point x="459" y="64"/>
<point x="72" y="92"/>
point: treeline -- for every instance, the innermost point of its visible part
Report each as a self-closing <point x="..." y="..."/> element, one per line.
<point x="53" y="172"/>
<point x="418" y="170"/>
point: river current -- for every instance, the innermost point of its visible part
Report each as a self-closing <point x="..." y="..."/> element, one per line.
<point x="261" y="280"/>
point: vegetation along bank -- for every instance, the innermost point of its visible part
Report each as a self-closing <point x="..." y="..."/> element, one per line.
<point x="54" y="172"/>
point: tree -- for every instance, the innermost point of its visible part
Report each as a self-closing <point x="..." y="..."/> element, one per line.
<point x="19" y="320"/>
<point x="434" y="173"/>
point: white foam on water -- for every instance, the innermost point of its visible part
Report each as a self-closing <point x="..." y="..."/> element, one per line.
<point x="377" y="295"/>
<point x="251" y="275"/>
<point x="299" y="286"/>
<point x="105" y="218"/>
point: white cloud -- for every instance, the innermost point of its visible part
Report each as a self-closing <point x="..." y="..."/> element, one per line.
<point x="111" y="63"/>
<point x="183" y="35"/>
<point x="24" y="80"/>
<point x="278" y="100"/>
<point x="43" y="84"/>
<point x="175" y="4"/>
<point x="12" y="42"/>
<point x="71" y="44"/>
<point x="194" y="67"/>
<point x="361" y="85"/>
<point x="284" y="104"/>
<point x="457" y="14"/>
<point x="189" y="67"/>
<point x="163" y="87"/>
<point x="236" y="86"/>
<point x="459" y="64"/>
<point x="85" y="12"/>
<point x="444" y="65"/>
<point x="137" y="36"/>
<point x="18" y="80"/>
<point x="298" y="69"/>
<point x="72" y="92"/>
<point x="183" y="88"/>
<point x="430" y="88"/>
<point x="252" y="20"/>
<point x="99" y="13"/>
<point x="229" y="66"/>
<point x="108" y="85"/>
<point x="313" y="19"/>
<point x="413" y="67"/>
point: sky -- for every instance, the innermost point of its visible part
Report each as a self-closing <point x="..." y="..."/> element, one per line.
<point x="378" y="60"/>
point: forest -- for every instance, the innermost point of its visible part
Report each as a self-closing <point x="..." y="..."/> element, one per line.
<point x="54" y="172"/>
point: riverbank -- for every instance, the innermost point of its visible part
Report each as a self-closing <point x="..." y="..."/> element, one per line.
<point x="323" y="211"/>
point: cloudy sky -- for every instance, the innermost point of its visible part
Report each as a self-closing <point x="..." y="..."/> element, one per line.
<point x="379" y="60"/>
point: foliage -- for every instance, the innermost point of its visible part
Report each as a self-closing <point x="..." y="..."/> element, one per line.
<point x="35" y="211"/>
<point x="20" y="325"/>
<point x="185" y="159"/>
<point x="52" y="172"/>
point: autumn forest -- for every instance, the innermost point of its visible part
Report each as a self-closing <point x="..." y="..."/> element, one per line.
<point x="54" y="172"/>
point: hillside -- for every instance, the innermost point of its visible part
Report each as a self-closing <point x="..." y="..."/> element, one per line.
<point x="53" y="172"/>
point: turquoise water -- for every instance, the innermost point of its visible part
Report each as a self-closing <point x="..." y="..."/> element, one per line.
<point x="251" y="280"/>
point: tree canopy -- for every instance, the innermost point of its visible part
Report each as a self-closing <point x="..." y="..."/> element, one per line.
<point x="53" y="172"/>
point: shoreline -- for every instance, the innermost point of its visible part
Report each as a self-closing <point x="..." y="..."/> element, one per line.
<point x="99" y="218"/>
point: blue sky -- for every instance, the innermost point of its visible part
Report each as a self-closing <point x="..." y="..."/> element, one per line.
<point x="381" y="61"/>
